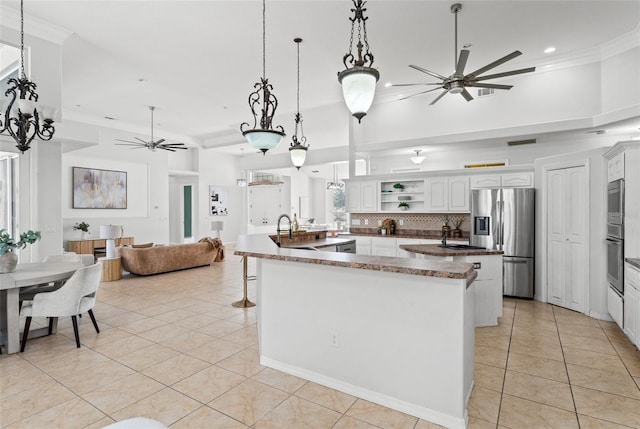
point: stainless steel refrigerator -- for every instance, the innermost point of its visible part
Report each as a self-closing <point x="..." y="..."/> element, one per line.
<point x="503" y="219"/>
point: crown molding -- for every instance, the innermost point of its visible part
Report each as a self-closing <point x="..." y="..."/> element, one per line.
<point x="33" y="26"/>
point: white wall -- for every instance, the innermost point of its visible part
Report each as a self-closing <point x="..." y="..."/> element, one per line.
<point x="621" y="80"/>
<point x="597" y="227"/>
<point x="319" y="200"/>
<point x="300" y="188"/>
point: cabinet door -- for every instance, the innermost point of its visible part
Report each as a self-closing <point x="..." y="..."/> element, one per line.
<point x="264" y="205"/>
<point x="383" y="246"/>
<point x="369" y="196"/>
<point x="459" y="194"/>
<point x="631" y="312"/>
<point x="485" y="181"/>
<point x="517" y="180"/>
<point x="437" y="194"/>
<point x="615" y="168"/>
<point x="363" y="245"/>
<point x="352" y="196"/>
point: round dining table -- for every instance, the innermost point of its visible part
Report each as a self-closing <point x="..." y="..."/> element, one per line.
<point x="28" y="274"/>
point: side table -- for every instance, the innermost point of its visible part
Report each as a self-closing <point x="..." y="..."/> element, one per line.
<point x="111" y="269"/>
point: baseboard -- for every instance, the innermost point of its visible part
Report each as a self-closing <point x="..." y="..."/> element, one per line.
<point x="369" y="395"/>
<point x="601" y="316"/>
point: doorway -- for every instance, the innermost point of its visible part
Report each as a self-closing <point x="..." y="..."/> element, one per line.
<point x="187" y="214"/>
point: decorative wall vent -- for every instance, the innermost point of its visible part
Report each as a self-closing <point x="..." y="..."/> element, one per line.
<point x="484" y="92"/>
<point x="486" y="164"/>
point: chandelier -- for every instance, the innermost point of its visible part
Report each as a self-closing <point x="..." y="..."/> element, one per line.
<point x="28" y="120"/>
<point x="359" y="81"/>
<point x="417" y="160"/>
<point x="298" y="149"/>
<point x="265" y="137"/>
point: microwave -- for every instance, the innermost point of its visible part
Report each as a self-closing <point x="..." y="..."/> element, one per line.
<point x="615" y="202"/>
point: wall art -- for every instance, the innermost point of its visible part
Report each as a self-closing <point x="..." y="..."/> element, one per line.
<point x="218" y="203"/>
<point x="99" y="189"/>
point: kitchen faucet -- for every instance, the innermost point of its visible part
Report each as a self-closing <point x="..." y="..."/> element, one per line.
<point x="278" y="229"/>
<point x="444" y="237"/>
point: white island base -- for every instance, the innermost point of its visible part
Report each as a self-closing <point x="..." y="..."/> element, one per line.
<point x="404" y="341"/>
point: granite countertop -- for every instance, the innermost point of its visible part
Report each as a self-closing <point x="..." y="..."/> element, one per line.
<point x="261" y="246"/>
<point x="634" y="261"/>
<point x="436" y="250"/>
<point x="320" y="243"/>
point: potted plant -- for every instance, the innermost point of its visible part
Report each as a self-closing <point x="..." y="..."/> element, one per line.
<point x="383" y="230"/>
<point x="403" y="205"/>
<point x="82" y="226"/>
<point x="8" y="259"/>
<point x="399" y="187"/>
<point x="457" y="222"/>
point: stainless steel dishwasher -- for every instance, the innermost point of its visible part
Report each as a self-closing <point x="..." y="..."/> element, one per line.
<point x="346" y="247"/>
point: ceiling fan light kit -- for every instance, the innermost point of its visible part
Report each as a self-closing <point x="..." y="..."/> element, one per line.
<point x="152" y="144"/>
<point x="265" y="137"/>
<point x="24" y="119"/>
<point x="359" y="78"/>
<point x="298" y="148"/>
<point x="458" y="82"/>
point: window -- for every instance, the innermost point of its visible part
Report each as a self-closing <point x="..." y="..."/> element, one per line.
<point x="9" y="193"/>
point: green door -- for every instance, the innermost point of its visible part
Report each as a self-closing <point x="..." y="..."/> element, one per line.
<point x="187" y="211"/>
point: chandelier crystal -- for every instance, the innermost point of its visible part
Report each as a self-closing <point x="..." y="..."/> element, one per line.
<point x="358" y="81"/>
<point x="27" y="120"/>
<point x="265" y="137"/>
<point x="298" y="148"/>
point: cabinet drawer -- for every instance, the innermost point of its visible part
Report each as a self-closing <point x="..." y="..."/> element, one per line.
<point x="517" y="180"/>
<point x="485" y="181"/>
<point x="632" y="275"/>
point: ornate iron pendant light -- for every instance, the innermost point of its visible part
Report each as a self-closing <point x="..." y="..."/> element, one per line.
<point x="23" y="123"/>
<point x="265" y="137"/>
<point x="298" y="148"/>
<point x="359" y="81"/>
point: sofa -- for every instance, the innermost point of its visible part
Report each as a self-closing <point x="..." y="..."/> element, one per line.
<point x="149" y="259"/>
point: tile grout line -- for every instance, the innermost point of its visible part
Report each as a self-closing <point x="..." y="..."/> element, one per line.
<point x="504" y="377"/>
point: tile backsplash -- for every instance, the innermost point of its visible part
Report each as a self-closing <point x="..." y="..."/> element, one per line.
<point x="411" y="223"/>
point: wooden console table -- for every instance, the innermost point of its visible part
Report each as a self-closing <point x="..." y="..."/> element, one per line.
<point x="88" y="246"/>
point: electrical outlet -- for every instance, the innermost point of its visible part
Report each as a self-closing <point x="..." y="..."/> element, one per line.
<point x="355" y="222"/>
<point x="334" y="341"/>
<point x="380" y="222"/>
<point x="401" y="222"/>
<point x="366" y="221"/>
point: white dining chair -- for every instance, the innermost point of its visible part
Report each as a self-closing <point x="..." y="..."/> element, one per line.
<point x="76" y="296"/>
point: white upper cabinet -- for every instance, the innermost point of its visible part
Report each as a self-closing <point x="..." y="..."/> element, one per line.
<point x="447" y="194"/>
<point x="361" y="196"/>
<point x="615" y="170"/>
<point x="506" y="180"/>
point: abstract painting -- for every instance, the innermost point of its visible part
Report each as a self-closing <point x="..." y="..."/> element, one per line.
<point x="218" y="203"/>
<point x="99" y="189"/>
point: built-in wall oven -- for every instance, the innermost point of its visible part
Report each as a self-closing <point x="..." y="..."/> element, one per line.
<point x="615" y="235"/>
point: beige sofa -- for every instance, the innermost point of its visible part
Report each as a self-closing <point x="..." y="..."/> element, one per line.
<point x="161" y="259"/>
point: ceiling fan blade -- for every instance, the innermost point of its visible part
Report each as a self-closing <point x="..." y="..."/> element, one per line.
<point x="430" y="73"/>
<point x="159" y="141"/>
<point x="466" y="95"/>
<point x="165" y="148"/>
<point x="462" y="61"/>
<point x="509" y="73"/>
<point x="127" y="141"/>
<point x="435" y="100"/>
<point x="419" y="93"/>
<point x="173" y="144"/>
<point x="415" y="84"/>
<point x="489" y="85"/>
<point x="496" y="63"/>
<point x="130" y="144"/>
<point x="141" y="140"/>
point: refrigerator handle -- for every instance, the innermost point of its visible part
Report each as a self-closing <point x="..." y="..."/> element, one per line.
<point x="500" y="241"/>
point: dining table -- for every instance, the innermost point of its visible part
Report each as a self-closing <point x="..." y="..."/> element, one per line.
<point x="28" y="274"/>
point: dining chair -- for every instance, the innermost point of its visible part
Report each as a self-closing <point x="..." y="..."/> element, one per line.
<point x="76" y="296"/>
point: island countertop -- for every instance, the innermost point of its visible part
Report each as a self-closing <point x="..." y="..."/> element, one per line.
<point x="436" y="250"/>
<point x="261" y="246"/>
<point x="319" y="243"/>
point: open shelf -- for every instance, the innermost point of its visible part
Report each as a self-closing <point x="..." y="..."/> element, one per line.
<point x="412" y="193"/>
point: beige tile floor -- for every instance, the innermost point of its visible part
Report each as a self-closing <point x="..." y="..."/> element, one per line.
<point x="172" y="348"/>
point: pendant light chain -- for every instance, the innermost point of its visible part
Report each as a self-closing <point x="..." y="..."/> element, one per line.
<point x="455" y="46"/>
<point x="298" y="82"/>
<point x="264" y="39"/>
<point x="22" y="39"/>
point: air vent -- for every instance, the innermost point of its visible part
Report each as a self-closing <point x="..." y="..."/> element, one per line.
<point x="521" y="142"/>
<point x="485" y="92"/>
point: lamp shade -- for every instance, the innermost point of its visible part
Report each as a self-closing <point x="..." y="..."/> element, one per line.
<point x="263" y="140"/>
<point x="110" y="231"/>
<point x="217" y="225"/>
<point x="358" y="89"/>
<point x="298" y="155"/>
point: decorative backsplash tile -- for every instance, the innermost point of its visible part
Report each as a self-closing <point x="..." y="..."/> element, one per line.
<point x="412" y="224"/>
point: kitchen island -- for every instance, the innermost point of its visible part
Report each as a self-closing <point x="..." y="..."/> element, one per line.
<point x="488" y="284"/>
<point x="395" y="331"/>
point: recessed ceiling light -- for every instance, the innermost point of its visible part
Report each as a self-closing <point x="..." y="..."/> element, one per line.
<point x="141" y="80"/>
<point x="549" y="50"/>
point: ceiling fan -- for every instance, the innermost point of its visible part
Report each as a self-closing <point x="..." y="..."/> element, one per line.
<point x="151" y="144"/>
<point x="458" y="82"/>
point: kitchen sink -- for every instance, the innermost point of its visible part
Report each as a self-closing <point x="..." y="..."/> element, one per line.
<point x="460" y="246"/>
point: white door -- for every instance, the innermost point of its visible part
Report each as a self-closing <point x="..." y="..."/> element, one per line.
<point x="368" y="196"/>
<point x="264" y="205"/>
<point x="459" y="194"/>
<point x="567" y="250"/>
<point x="437" y="194"/>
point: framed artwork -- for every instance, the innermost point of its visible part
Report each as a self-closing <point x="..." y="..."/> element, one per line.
<point x="218" y="203"/>
<point x="99" y="189"/>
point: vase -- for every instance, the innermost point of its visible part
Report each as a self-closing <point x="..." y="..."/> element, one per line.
<point x="8" y="262"/>
<point x="84" y="235"/>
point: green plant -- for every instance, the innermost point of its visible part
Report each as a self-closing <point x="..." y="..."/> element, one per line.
<point x="82" y="226"/>
<point x="8" y="244"/>
<point x="403" y="204"/>
<point x="398" y="186"/>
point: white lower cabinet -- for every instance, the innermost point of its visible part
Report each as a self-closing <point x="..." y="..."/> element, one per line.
<point x="614" y="306"/>
<point x="363" y="245"/>
<point x="407" y="241"/>
<point x="383" y="246"/>
<point x="632" y="303"/>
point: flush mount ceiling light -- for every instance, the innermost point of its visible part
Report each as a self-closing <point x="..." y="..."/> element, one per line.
<point x="265" y="137"/>
<point x="417" y="160"/>
<point x="152" y="144"/>
<point x="458" y="82"/>
<point x="298" y="149"/>
<point x="358" y="81"/>
<point x="23" y="123"/>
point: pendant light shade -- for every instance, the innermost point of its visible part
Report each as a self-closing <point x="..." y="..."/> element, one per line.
<point x="264" y="137"/>
<point x="417" y="160"/>
<point x="359" y="79"/>
<point x="298" y="148"/>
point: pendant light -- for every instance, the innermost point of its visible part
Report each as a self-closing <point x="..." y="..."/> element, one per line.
<point x="417" y="160"/>
<point x="298" y="149"/>
<point x="358" y="81"/>
<point x="335" y="185"/>
<point x="265" y="137"/>
<point x="23" y="123"/>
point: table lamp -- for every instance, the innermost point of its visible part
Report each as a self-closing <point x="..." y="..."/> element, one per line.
<point x="217" y="225"/>
<point x="110" y="233"/>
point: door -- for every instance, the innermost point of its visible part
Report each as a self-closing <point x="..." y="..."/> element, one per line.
<point x="485" y="222"/>
<point x="518" y="231"/>
<point x="567" y="256"/>
<point x="264" y="205"/>
<point x="437" y="194"/>
<point x="187" y="214"/>
<point x="517" y="277"/>
<point x="459" y="194"/>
